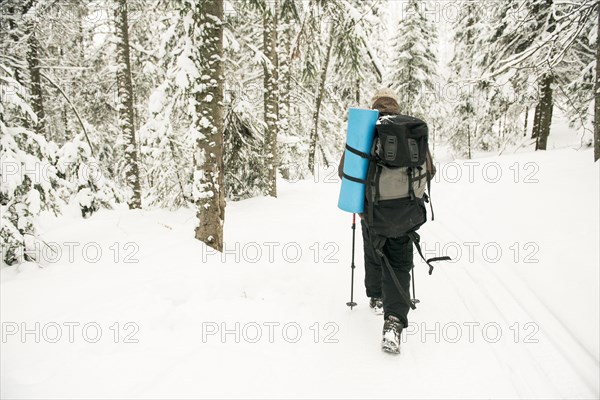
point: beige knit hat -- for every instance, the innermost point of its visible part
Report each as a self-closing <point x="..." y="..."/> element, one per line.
<point x="384" y="92"/>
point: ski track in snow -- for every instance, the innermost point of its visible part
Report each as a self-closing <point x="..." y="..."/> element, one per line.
<point x="534" y="355"/>
<point x="171" y="293"/>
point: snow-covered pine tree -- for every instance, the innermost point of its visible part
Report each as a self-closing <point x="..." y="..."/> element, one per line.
<point x="349" y="57"/>
<point x="61" y="52"/>
<point x="414" y="66"/>
<point x="255" y="87"/>
<point x="84" y="177"/>
<point x="21" y="22"/>
<point x="543" y="43"/>
<point x="508" y="94"/>
<point x="355" y="71"/>
<point x="466" y="95"/>
<point x="243" y="136"/>
<point x="302" y="81"/>
<point x="314" y="133"/>
<point x="77" y="55"/>
<point x="167" y="138"/>
<point x="513" y="31"/>
<point x="243" y="149"/>
<point x="29" y="181"/>
<point x="373" y="28"/>
<point x="574" y="70"/>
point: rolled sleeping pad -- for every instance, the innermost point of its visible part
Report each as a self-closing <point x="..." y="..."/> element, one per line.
<point x="359" y="136"/>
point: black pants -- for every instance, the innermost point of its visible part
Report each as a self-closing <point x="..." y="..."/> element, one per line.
<point x="378" y="280"/>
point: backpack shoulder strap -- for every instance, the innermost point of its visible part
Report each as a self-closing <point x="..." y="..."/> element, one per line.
<point x="372" y="181"/>
<point x="372" y="191"/>
<point x="429" y="164"/>
<point x="429" y="196"/>
<point x="431" y="170"/>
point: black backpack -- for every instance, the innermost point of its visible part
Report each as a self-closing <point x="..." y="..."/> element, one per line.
<point x="397" y="176"/>
<point x="396" y="180"/>
<point x="395" y="186"/>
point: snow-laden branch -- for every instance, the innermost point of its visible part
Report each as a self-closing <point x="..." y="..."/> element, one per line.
<point x="73" y="108"/>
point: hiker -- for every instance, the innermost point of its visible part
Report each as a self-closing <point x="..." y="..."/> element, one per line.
<point x="385" y="298"/>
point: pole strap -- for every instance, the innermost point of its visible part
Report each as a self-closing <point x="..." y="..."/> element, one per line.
<point x="415" y="238"/>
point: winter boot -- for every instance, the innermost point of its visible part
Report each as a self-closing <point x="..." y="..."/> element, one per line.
<point x="376" y="304"/>
<point x="392" y="328"/>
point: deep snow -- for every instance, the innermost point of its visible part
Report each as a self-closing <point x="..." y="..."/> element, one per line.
<point x="516" y="317"/>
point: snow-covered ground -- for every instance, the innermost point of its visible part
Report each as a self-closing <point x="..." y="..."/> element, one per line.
<point x="133" y="306"/>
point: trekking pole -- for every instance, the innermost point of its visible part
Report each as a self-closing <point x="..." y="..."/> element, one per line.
<point x="351" y="303"/>
<point x="414" y="299"/>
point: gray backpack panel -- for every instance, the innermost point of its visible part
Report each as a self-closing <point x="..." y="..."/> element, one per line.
<point x="393" y="183"/>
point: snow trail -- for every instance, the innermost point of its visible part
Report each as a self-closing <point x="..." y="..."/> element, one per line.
<point x="248" y="326"/>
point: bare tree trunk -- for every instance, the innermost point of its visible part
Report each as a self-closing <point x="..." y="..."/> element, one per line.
<point x="285" y="88"/>
<point x="285" y="76"/>
<point x="543" y="110"/>
<point x="209" y="168"/>
<point x="314" y="134"/>
<point x="12" y="27"/>
<point x="536" y="120"/>
<point x="16" y="38"/>
<point x="378" y="72"/>
<point x="469" y="142"/>
<point x="546" y="105"/>
<point x="271" y="97"/>
<point x="125" y="90"/>
<point x="410" y="92"/>
<point x="325" y="160"/>
<point x="500" y="127"/>
<point x="597" y="98"/>
<point x="526" y="118"/>
<point x="33" y="63"/>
